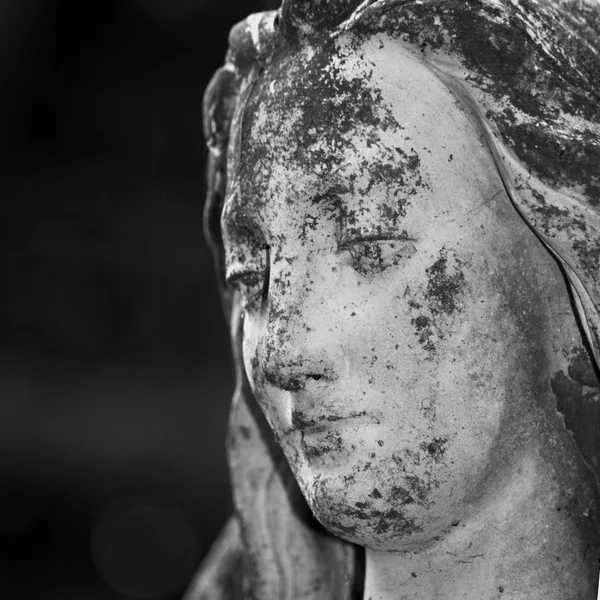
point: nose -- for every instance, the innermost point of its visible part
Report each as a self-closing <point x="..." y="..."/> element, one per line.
<point x="299" y="350"/>
<point x="293" y="369"/>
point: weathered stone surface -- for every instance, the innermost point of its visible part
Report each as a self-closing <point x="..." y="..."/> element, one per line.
<point x="403" y="199"/>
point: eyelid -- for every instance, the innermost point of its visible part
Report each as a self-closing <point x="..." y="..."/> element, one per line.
<point x="361" y="238"/>
<point x="235" y="274"/>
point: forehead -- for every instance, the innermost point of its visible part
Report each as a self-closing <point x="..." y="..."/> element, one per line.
<point x="309" y="106"/>
<point x="364" y="122"/>
<point x="316" y="121"/>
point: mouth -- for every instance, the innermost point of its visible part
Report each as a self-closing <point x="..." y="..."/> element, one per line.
<point x="306" y="425"/>
<point x="327" y="442"/>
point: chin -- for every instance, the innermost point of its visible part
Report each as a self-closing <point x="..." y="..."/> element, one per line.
<point x="390" y="515"/>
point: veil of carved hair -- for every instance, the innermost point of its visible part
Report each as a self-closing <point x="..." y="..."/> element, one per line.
<point x="527" y="71"/>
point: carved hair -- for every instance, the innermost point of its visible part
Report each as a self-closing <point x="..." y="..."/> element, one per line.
<point x="527" y="72"/>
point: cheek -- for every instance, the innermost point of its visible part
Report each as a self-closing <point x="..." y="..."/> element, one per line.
<point x="387" y="339"/>
<point x="250" y="340"/>
<point x="273" y="403"/>
<point x="414" y="358"/>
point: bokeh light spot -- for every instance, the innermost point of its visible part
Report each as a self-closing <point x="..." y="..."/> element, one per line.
<point x="144" y="548"/>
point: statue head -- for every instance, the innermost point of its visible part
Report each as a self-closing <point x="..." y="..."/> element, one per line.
<point x="405" y="209"/>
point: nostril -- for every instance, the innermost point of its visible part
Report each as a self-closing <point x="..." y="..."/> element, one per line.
<point x="291" y="373"/>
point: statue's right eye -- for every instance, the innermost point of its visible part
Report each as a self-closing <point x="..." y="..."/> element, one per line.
<point x="251" y="281"/>
<point x="250" y="284"/>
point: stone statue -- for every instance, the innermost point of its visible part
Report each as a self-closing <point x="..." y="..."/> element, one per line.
<point x="404" y="210"/>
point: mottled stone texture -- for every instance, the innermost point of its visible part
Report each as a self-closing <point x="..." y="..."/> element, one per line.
<point x="404" y="203"/>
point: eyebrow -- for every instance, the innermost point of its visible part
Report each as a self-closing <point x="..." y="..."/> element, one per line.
<point x="237" y="217"/>
<point x="331" y="194"/>
<point x="347" y="239"/>
<point x="356" y="224"/>
<point x="238" y="212"/>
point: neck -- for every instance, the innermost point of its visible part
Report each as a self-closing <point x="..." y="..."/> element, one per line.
<point x="522" y="545"/>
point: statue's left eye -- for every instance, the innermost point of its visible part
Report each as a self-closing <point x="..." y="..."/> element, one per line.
<point x="375" y="256"/>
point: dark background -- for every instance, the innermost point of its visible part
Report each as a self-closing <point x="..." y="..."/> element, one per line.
<point x="114" y="363"/>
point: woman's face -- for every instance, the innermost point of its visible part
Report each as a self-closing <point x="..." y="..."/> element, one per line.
<point x="390" y="297"/>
